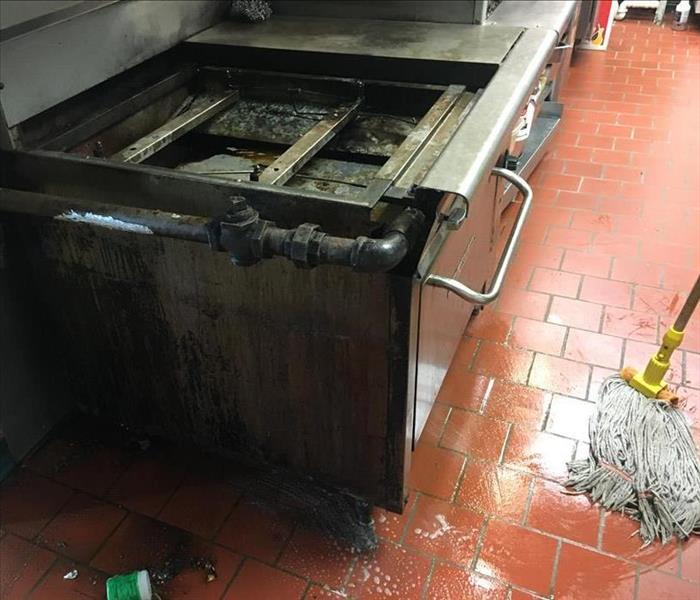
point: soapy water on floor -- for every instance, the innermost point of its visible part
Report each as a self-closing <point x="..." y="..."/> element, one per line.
<point x="442" y="528"/>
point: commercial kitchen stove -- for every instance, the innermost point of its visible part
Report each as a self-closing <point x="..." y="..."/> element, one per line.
<point x="268" y="238"/>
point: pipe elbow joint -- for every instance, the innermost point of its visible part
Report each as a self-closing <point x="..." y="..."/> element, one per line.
<point x="377" y="255"/>
<point x="248" y="239"/>
<point x="387" y="252"/>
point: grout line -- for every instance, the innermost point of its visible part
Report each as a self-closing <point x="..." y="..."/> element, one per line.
<point x="520" y="588"/>
<point x="479" y="543"/>
<point x="409" y="518"/>
<point x="285" y="543"/>
<point x="348" y="575"/>
<point x="350" y="566"/>
<point x="589" y="381"/>
<point x="621" y="360"/>
<point x="555" y="568"/>
<point x="239" y="568"/>
<point x="458" y="482"/>
<point x="428" y="579"/>
<point x="547" y="413"/>
<point x="509" y="333"/>
<point x="528" y="501"/>
<point x="549" y="308"/>
<point x="450" y="408"/>
<point x="530" y="369"/>
<point x="530" y="277"/>
<point x="58" y="512"/>
<point x="560" y="263"/>
<point x="547" y="410"/>
<point x="601" y="320"/>
<point x="307" y="589"/>
<point x="580" y="286"/>
<point x="43" y="578"/>
<point x="545" y="237"/>
<point x="134" y="459"/>
<point x="565" y="341"/>
<point x="573" y="212"/>
<point x="171" y="496"/>
<point x="506" y="440"/>
<point x="476" y="352"/>
<point x="234" y="504"/>
<point x="487" y="395"/>
<point x="633" y="294"/>
<point x="109" y="536"/>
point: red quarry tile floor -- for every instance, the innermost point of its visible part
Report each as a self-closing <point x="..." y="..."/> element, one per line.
<point x="610" y="250"/>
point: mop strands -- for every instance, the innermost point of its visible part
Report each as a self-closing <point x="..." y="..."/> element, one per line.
<point x="643" y="461"/>
<point x="253" y="11"/>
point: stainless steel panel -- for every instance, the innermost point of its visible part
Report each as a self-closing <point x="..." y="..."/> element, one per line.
<point x="415" y="141"/>
<point x="183" y="193"/>
<point x="20" y="16"/>
<point x="567" y="41"/>
<point x="435" y="145"/>
<point x="466" y="256"/>
<point x="70" y="56"/>
<point x="203" y="109"/>
<point x="301" y="152"/>
<point x="114" y="113"/>
<point x="388" y="39"/>
<point x="474" y="148"/>
<point x="544" y="14"/>
<point x="437" y="11"/>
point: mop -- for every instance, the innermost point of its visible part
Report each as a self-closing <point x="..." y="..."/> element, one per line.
<point x="643" y="461"/>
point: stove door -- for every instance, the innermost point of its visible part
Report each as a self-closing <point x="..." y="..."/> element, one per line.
<point x="460" y="277"/>
<point x="466" y="255"/>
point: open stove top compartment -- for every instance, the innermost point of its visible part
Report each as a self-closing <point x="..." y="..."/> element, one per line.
<point x="366" y="161"/>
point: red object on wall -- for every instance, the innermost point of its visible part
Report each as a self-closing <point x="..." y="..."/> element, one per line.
<point x="600" y="26"/>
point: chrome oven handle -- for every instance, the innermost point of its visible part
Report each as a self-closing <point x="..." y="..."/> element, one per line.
<point x="470" y="295"/>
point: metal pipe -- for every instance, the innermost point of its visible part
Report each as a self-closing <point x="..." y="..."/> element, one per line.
<point x="107" y="216"/>
<point x="202" y="110"/>
<point x="249" y="239"/>
<point x="308" y="145"/>
<point x="361" y="253"/>
<point x="241" y="232"/>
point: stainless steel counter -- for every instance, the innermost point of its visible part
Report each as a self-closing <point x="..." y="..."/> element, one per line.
<point x="435" y="11"/>
<point x="379" y="38"/>
<point x="474" y="147"/>
<point x="95" y="41"/>
<point x="553" y="14"/>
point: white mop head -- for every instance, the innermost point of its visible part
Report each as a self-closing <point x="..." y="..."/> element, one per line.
<point x="643" y="462"/>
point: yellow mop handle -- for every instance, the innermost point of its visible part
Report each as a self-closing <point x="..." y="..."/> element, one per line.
<point x="651" y="381"/>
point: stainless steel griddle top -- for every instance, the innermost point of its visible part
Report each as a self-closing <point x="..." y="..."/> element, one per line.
<point x="388" y="39"/>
